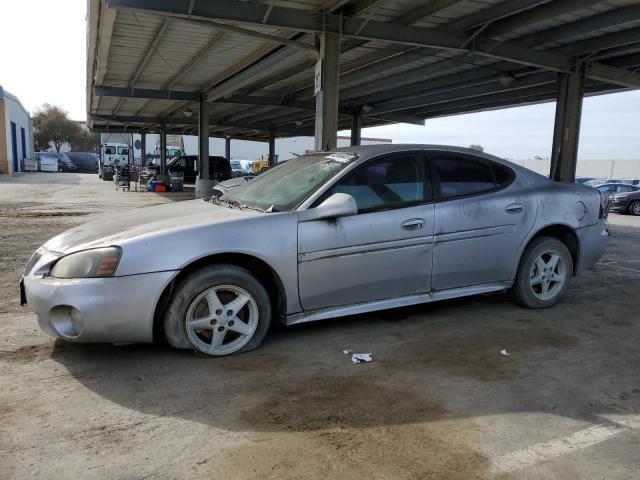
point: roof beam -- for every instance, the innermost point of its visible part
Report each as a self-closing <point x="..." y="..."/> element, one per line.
<point x="537" y="15"/>
<point x="351" y="27"/>
<point x="188" y="121"/>
<point x="250" y="13"/>
<point x="145" y="59"/>
<point x="464" y="92"/>
<point x="612" y="18"/>
<point x="492" y="14"/>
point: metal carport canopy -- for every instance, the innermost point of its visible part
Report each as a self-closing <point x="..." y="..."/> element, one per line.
<point x="150" y="61"/>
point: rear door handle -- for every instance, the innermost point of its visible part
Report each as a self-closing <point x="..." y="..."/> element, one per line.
<point x="412" y="224"/>
<point x="514" y="208"/>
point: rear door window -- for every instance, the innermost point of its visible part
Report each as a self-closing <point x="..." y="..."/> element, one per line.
<point x="461" y="176"/>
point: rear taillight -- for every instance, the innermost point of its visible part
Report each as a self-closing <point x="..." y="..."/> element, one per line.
<point x="603" y="205"/>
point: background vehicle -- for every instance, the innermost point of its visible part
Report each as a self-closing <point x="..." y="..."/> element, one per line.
<point x="85" y="162"/>
<point x="65" y="164"/>
<point x="237" y="169"/>
<point x="219" y="167"/>
<point x="626" y="202"/>
<point x="582" y="180"/>
<point x="611" y="188"/>
<point x="112" y="154"/>
<point x="327" y="235"/>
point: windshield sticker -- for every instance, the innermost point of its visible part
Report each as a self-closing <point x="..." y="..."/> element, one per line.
<point x="341" y="157"/>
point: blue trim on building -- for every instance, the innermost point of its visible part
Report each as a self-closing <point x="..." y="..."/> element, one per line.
<point x="14" y="147"/>
<point x="23" y="137"/>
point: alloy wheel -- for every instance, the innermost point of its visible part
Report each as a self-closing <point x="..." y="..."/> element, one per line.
<point x="547" y="275"/>
<point x="221" y="320"/>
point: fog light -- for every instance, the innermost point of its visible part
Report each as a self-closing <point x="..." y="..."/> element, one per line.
<point x="66" y="321"/>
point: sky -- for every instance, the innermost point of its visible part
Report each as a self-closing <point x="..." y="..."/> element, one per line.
<point x="43" y="58"/>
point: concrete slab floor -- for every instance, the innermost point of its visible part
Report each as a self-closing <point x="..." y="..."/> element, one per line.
<point x="439" y="401"/>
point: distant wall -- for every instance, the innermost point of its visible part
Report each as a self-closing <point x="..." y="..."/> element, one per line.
<point x="600" y="168"/>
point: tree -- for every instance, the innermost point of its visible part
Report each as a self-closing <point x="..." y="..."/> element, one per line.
<point x="52" y="125"/>
<point x="480" y="148"/>
<point x="86" y="142"/>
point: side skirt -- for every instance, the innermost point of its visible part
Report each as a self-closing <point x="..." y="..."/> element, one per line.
<point x="376" y="305"/>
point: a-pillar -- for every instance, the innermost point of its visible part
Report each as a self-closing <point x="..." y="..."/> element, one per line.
<point x="227" y="148"/>
<point x="327" y="94"/>
<point x="566" y="130"/>
<point x="204" y="182"/>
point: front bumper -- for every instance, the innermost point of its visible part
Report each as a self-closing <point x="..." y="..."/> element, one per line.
<point x="96" y="310"/>
<point x="593" y="243"/>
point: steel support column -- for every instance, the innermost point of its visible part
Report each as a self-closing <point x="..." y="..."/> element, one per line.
<point x="204" y="183"/>
<point x="143" y="149"/>
<point x="163" y="148"/>
<point x="328" y="96"/>
<point x="272" y="149"/>
<point x="566" y="130"/>
<point x="227" y="148"/>
<point x="356" y="128"/>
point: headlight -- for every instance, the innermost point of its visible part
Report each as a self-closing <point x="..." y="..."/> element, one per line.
<point x="99" y="262"/>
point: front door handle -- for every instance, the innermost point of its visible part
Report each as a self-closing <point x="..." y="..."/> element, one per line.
<point x="412" y="224"/>
<point x="514" y="208"/>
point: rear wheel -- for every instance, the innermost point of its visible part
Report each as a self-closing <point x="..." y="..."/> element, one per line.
<point x="543" y="274"/>
<point x="634" y="208"/>
<point x="218" y="310"/>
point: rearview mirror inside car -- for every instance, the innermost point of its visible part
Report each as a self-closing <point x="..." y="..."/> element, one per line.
<point x="337" y="205"/>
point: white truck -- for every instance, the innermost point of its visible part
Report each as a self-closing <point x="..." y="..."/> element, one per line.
<point x="111" y="156"/>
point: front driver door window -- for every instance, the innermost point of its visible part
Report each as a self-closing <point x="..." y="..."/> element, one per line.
<point x="385" y="250"/>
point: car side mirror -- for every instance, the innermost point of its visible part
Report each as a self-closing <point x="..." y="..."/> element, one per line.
<point x="337" y="205"/>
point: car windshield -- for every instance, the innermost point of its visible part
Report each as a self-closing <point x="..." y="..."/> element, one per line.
<point x="285" y="186"/>
<point x="123" y="151"/>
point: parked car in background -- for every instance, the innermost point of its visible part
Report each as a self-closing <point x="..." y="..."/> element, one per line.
<point x="64" y="163"/>
<point x="600" y="181"/>
<point x="85" y="162"/>
<point x="236" y="168"/>
<point x="611" y="188"/>
<point x="330" y="234"/>
<point x="219" y="167"/>
<point x="626" y="202"/>
<point x="582" y="180"/>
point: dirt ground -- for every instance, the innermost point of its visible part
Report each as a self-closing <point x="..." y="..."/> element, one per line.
<point x="439" y="400"/>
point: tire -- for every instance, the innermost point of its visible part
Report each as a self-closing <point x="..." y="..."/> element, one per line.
<point x="529" y="287"/>
<point x="634" y="208"/>
<point x="190" y="323"/>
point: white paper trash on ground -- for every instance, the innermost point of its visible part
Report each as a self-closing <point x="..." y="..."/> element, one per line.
<point x="504" y="353"/>
<point x="362" y="357"/>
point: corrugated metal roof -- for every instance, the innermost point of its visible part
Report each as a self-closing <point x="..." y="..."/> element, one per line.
<point x="140" y="49"/>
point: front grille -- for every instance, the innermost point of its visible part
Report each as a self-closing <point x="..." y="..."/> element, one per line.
<point x="32" y="263"/>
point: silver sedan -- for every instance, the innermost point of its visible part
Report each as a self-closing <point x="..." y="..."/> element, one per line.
<point x="325" y="235"/>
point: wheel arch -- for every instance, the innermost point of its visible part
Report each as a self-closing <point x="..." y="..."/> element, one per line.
<point x="261" y="269"/>
<point x="563" y="232"/>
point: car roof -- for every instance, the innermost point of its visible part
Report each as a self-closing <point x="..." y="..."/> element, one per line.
<point x="368" y="151"/>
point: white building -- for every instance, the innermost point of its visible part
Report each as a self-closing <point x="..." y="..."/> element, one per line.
<point x="16" y="134"/>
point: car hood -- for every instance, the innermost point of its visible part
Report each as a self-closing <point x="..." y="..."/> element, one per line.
<point x="137" y="222"/>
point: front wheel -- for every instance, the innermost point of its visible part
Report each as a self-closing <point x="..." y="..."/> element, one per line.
<point x="218" y="310"/>
<point x="544" y="273"/>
